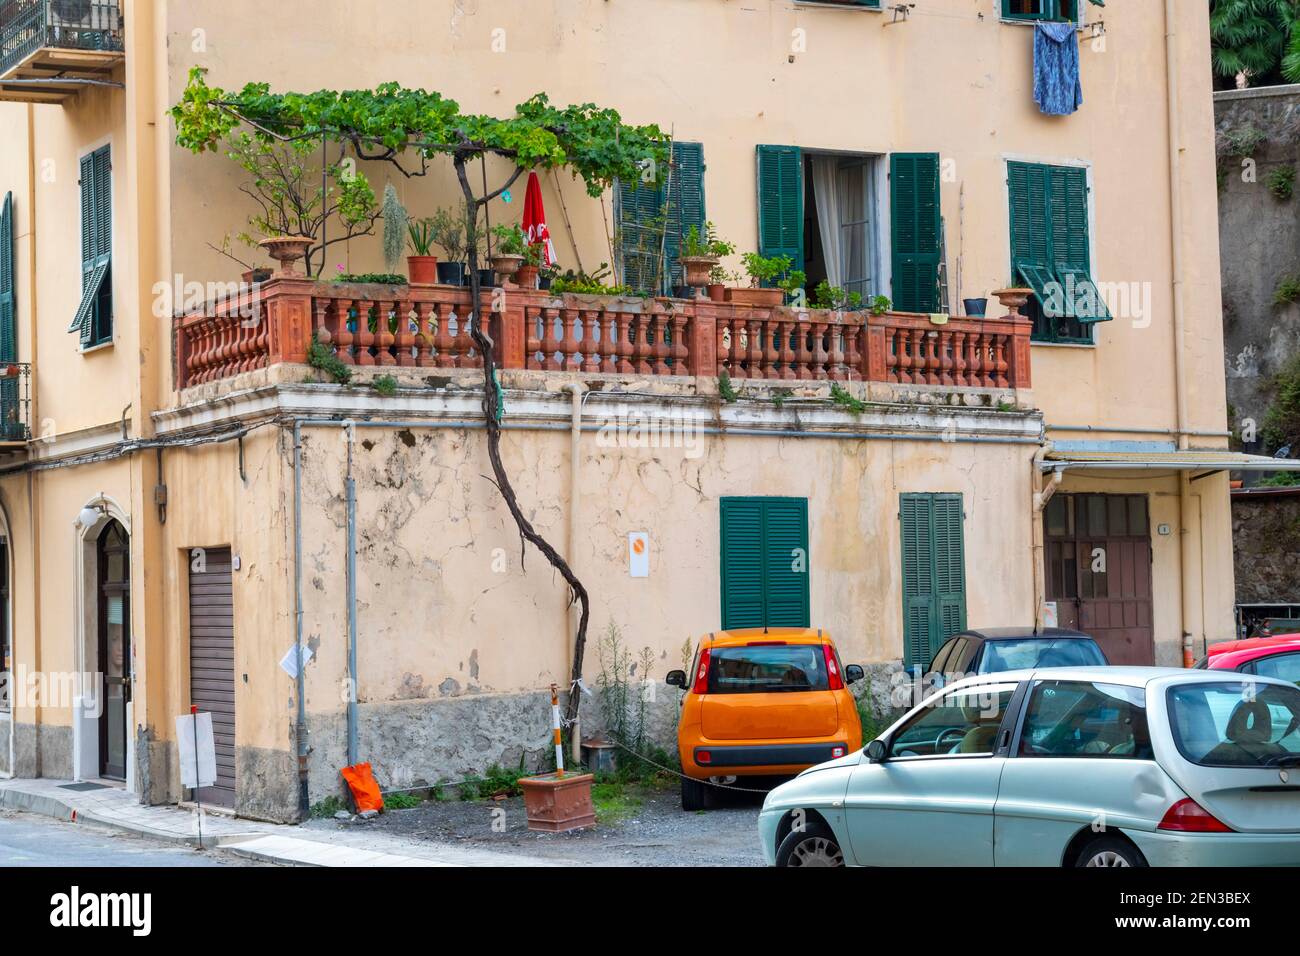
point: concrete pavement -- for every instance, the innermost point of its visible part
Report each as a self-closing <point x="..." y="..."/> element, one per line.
<point x="113" y="807"/>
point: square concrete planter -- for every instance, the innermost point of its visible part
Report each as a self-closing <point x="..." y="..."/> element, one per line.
<point x="558" y="804"/>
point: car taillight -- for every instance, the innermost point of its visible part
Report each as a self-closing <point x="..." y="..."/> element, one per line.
<point x="834" y="680"/>
<point x="703" y="756"/>
<point x="702" y="674"/>
<point x="837" y="751"/>
<point x="1188" y="816"/>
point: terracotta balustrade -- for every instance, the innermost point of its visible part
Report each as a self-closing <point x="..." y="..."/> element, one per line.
<point x="426" y="326"/>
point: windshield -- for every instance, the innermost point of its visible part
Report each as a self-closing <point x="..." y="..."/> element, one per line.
<point x="767" y="669"/>
<point x="1236" y="724"/>
<point x="1040" y="652"/>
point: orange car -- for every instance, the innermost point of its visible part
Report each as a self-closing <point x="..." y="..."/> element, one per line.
<point x="763" y="702"/>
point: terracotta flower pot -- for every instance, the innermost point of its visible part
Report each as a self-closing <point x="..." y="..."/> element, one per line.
<point x="506" y="266"/>
<point x="423" y="270"/>
<point x="526" y="277"/>
<point x="1013" y="299"/>
<point x="717" y="292"/>
<point x="768" y="298"/>
<point x="287" y="250"/>
<point x="698" y="269"/>
<point x="558" y="804"/>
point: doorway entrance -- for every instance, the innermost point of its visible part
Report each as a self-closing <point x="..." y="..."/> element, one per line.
<point x="839" y="233"/>
<point x="1098" y="556"/>
<point x="113" y="550"/>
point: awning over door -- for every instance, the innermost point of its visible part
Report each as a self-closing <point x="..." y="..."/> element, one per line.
<point x="1207" y="460"/>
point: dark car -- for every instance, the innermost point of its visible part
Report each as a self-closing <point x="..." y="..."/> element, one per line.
<point x="991" y="650"/>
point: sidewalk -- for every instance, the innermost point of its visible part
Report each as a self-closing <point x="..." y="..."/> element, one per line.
<point x="266" y="842"/>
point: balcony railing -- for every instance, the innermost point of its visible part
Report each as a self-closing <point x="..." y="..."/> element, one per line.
<point x="15" y="403"/>
<point x="423" y="326"/>
<point x="33" y="29"/>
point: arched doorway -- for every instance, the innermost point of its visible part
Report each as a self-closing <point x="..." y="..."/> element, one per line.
<point x="113" y="551"/>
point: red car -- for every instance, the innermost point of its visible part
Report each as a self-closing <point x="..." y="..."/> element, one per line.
<point x="1277" y="656"/>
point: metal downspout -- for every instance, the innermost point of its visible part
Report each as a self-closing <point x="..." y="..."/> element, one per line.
<point x="350" y="434"/>
<point x="1187" y="553"/>
<point x="577" y="395"/>
<point x="300" y="730"/>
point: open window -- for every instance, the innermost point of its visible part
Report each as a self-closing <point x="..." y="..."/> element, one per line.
<point x="1060" y="10"/>
<point x="820" y="208"/>
<point x="93" y="321"/>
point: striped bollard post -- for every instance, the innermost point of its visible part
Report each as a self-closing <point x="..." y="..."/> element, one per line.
<point x="555" y="730"/>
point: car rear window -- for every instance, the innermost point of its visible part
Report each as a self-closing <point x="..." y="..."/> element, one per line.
<point x="766" y="669"/>
<point x="1236" y="724"/>
<point x="1039" y="652"/>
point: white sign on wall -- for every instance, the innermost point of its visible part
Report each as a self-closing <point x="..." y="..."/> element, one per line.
<point x="638" y="554"/>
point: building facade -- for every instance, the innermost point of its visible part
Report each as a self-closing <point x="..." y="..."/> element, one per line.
<point x="178" y="513"/>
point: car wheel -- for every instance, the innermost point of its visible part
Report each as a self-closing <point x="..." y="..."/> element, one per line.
<point x="1110" y="851"/>
<point x="695" y="794"/>
<point x="814" y="845"/>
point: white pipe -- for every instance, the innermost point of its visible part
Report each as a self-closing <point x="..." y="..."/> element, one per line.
<point x="577" y="395"/>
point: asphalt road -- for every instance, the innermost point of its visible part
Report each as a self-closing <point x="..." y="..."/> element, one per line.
<point x="30" y="840"/>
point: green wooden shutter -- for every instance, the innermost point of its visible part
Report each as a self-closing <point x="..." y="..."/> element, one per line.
<point x="780" y="202"/>
<point x="764" y="562"/>
<point x="653" y="218"/>
<point x="685" y="203"/>
<point x="742" y="562"/>
<point x="785" y="562"/>
<point x="96" y="239"/>
<point x="915" y="230"/>
<point x="950" y="567"/>
<point x="918" y="580"/>
<point x="1030" y="230"/>
<point x="934" y="573"/>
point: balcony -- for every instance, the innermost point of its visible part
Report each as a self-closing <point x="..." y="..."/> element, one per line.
<point x="52" y="49"/>
<point x="421" y="326"/>
<point x="15" y="406"/>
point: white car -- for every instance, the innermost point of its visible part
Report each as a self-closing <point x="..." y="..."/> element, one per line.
<point x="1087" y="766"/>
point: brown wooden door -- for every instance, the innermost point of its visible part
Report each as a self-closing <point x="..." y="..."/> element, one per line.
<point x="212" y="661"/>
<point x="1098" y="554"/>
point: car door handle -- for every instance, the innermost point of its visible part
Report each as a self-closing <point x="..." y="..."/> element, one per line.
<point x="1004" y="741"/>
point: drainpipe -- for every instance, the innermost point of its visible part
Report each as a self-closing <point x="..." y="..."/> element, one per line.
<point x="350" y="434"/>
<point x="1041" y="493"/>
<point x="300" y="731"/>
<point x="577" y="395"/>
<point x="1187" y="554"/>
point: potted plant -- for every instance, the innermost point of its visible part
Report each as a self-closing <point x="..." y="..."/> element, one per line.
<point x="763" y="272"/>
<point x="509" y="255"/>
<point x="421" y="264"/>
<point x="447" y="231"/>
<point x="701" y="254"/>
<point x="527" y="276"/>
<point x="718" y="278"/>
<point x="296" y="200"/>
<point x="546" y="275"/>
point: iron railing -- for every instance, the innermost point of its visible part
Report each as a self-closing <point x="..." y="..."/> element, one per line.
<point x="30" y="25"/>
<point x="15" y="401"/>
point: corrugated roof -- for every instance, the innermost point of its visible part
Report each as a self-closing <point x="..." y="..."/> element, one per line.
<point x="1184" y="460"/>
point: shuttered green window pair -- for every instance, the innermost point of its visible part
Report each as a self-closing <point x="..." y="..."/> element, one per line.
<point x="916" y="225"/>
<point x="94" y="319"/>
<point x="1041" y="9"/>
<point x="764" y="558"/>
<point x="1050" y="250"/>
<point x="654" y="217"/>
<point x="934" y="573"/>
<point x="11" y="423"/>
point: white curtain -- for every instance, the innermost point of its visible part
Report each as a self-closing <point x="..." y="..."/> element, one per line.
<point x="825" y="174"/>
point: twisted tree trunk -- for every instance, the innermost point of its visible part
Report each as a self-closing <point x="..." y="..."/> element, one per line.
<point x="491" y="404"/>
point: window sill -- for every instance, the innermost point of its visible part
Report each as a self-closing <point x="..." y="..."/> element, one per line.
<point x="98" y="347"/>
<point x="1063" y="345"/>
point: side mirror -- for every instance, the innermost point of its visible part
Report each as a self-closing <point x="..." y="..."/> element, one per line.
<point x="853" y="673"/>
<point x="876" y="751"/>
<point x="676" y="679"/>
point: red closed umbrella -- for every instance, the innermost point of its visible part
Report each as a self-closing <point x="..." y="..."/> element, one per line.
<point x="534" y="224"/>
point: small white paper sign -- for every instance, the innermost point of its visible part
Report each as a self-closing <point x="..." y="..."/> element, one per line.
<point x="638" y="554"/>
<point x="196" y="750"/>
<point x="1050" y="617"/>
<point x="289" y="663"/>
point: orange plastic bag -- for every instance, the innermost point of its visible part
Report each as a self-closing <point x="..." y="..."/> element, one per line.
<point x="365" y="792"/>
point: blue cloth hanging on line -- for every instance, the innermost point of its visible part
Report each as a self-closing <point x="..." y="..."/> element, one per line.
<point x="1057" y="89"/>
